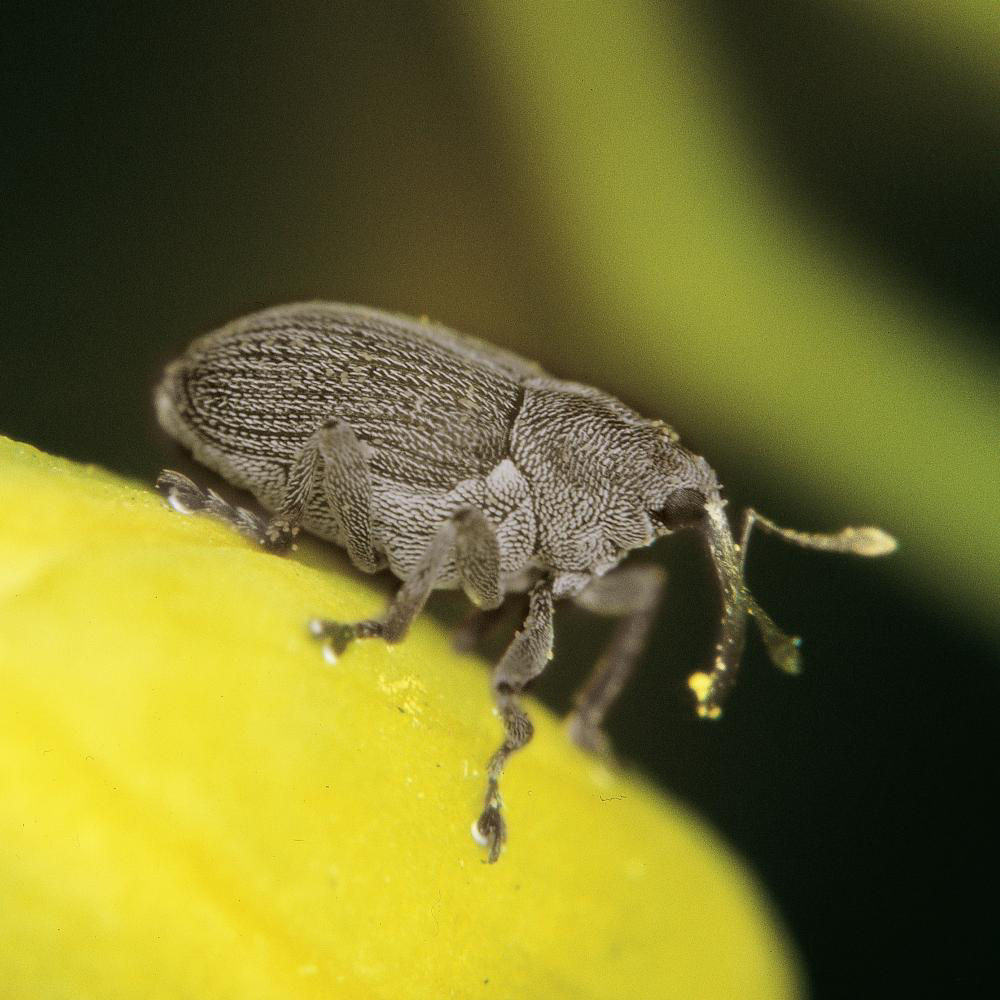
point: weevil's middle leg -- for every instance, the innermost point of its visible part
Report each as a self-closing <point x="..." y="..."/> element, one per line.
<point x="470" y="538"/>
<point x="525" y="658"/>
<point x="633" y="595"/>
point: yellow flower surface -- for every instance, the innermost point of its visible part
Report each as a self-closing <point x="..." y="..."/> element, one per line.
<point x="193" y="803"/>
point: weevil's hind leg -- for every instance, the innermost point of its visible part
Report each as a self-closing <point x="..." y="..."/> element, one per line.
<point x="187" y="498"/>
<point x="333" y="461"/>
<point x="524" y="659"/>
<point x="470" y="538"/>
<point x="633" y="595"/>
<point x="342" y="459"/>
<point x="333" y="451"/>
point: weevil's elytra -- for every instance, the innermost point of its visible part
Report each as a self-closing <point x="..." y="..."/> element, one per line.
<point x="456" y="464"/>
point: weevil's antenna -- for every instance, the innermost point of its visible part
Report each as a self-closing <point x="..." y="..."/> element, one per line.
<point x="710" y="687"/>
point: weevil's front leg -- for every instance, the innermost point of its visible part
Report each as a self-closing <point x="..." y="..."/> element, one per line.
<point x="525" y="658"/>
<point x="633" y="595"/>
<point x="467" y="535"/>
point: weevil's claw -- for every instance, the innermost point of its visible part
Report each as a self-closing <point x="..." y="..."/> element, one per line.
<point x="278" y="535"/>
<point x="490" y="831"/>
<point x="180" y="492"/>
<point x="340" y="635"/>
<point x="336" y="634"/>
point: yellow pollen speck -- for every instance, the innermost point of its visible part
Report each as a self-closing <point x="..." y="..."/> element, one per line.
<point x="406" y="691"/>
<point x="701" y="684"/>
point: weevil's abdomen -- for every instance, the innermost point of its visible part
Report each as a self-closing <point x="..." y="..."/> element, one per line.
<point x="435" y="407"/>
<point x="194" y="406"/>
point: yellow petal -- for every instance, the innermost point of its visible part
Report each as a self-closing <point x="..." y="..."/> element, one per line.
<point x="194" y="804"/>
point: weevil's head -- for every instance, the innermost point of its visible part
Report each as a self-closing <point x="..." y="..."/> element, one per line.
<point x="671" y="484"/>
<point x="692" y="498"/>
<point x="604" y="480"/>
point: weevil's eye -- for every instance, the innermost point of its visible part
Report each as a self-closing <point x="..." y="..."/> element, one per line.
<point x="683" y="508"/>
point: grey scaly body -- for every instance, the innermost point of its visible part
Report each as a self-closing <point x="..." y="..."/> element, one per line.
<point x="456" y="464"/>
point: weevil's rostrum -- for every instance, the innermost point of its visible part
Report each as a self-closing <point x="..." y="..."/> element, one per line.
<point x="457" y="464"/>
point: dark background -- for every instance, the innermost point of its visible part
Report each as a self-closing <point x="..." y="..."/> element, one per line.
<point x="167" y="169"/>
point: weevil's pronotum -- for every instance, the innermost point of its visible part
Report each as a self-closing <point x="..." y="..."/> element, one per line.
<point x="456" y="464"/>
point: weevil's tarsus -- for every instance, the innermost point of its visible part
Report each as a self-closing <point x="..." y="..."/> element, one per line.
<point x="187" y="498"/>
<point x="711" y="687"/>
<point x="339" y="635"/>
<point x="633" y="595"/>
<point x="490" y="829"/>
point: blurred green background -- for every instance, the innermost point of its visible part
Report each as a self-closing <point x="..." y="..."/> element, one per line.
<point x="776" y="226"/>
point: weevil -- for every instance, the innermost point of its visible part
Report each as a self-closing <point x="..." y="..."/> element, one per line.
<point x="456" y="464"/>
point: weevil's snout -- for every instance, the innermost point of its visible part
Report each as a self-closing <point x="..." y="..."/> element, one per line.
<point x="711" y="687"/>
